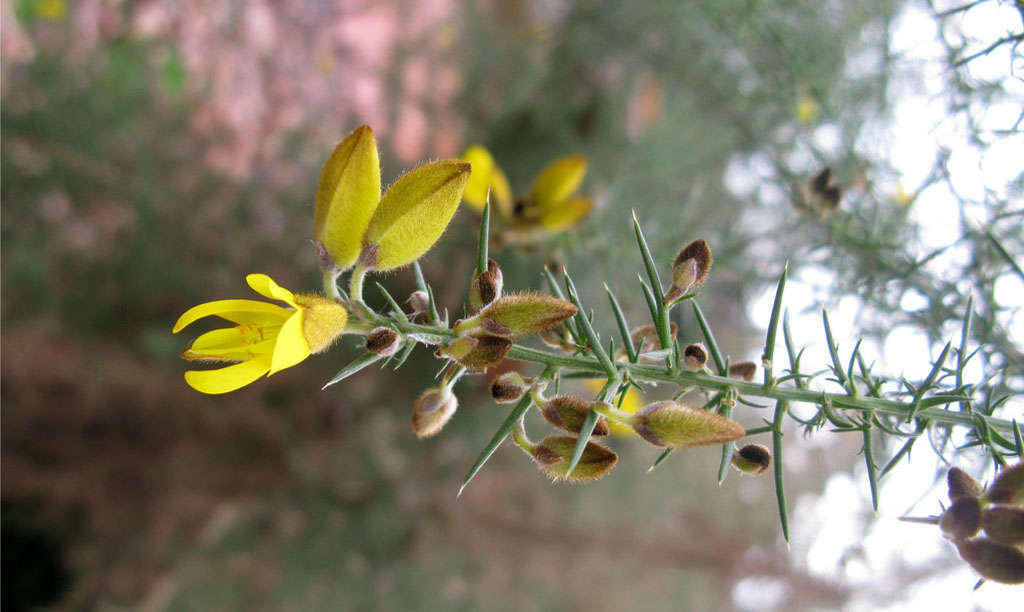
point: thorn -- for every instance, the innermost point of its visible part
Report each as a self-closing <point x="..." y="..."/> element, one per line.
<point x="459" y="494"/>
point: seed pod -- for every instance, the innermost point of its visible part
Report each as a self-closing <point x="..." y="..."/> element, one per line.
<point x="383" y="341"/>
<point x="568" y="412"/>
<point x="752" y="459"/>
<point x="961" y="520"/>
<point x="432" y="410"/>
<point x="744" y="370"/>
<point x="485" y="287"/>
<point x="476" y="352"/>
<point x="961" y="484"/>
<point x="518" y="315"/>
<point x="695" y="356"/>
<point x="994" y="561"/>
<point x="1004" y="523"/>
<point x="671" y="423"/>
<point x="419" y="302"/>
<point x="554" y="452"/>
<point x="1008" y="486"/>
<point x="690" y="268"/>
<point x="508" y="388"/>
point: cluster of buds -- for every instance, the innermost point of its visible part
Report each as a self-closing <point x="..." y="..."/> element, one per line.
<point x="987" y="526"/>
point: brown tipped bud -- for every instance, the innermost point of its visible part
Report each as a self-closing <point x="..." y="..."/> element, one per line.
<point x="824" y="193"/>
<point x="821" y="180"/>
<point x="694" y="357"/>
<point x="558" y="337"/>
<point x="961" y="484"/>
<point x="486" y="286"/>
<point x="752" y="459"/>
<point x="994" y="561"/>
<point x="383" y="341"/>
<point x="476" y="352"/>
<point x="675" y="424"/>
<point x="568" y="412"/>
<point x="743" y="370"/>
<point x="962" y="520"/>
<point x="1004" y="523"/>
<point x="690" y="268"/>
<point x="508" y="388"/>
<point x="645" y="337"/>
<point x="1008" y="487"/>
<point x="419" y="302"/>
<point x="432" y="410"/>
<point x="554" y="453"/>
<point x="519" y="315"/>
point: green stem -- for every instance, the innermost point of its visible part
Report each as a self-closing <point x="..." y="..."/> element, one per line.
<point x="355" y="286"/>
<point x="331" y="285"/>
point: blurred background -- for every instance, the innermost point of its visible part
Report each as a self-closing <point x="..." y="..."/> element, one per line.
<point x="156" y="151"/>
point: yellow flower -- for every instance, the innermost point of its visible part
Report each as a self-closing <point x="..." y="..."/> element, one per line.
<point x="267" y="338"/>
<point x="807" y="109"/>
<point x="633" y="401"/>
<point x="486" y="175"/>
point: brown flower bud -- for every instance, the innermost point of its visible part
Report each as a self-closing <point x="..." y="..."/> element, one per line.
<point x="994" y="561"/>
<point x="824" y="193"/>
<point x="518" y="315"/>
<point x="752" y="459"/>
<point x="383" y="341"/>
<point x="690" y="268"/>
<point x="476" y="352"/>
<point x="744" y="370"/>
<point x="645" y="337"/>
<point x="508" y="388"/>
<point x="695" y="356"/>
<point x="419" y="302"/>
<point x="554" y="452"/>
<point x="961" y="520"/>
<point x="961" y="484"/>
<point x="568" y="412"/>
<point x="671" y="423"/>
<point x="1008" y="486"/>
<point x="432" y="410"/>
<point x="558" y="337"/>
<point x="1004" y="523"/>
<point x="485" y="287"/>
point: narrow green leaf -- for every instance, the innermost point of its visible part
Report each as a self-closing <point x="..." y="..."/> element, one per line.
<point x="1006" y="254"/>
<point x="1018" y="440"/>
<point x="645" y="252"/>
<point x="904" y="450"/>
<point x="399" y="313"/>
<point x="833" y="351"/>
<point x="620" y="320"/>
<point x="588" y="329"/>
<point x="773" y="326"/>
<point x="663" y="456"/>
<point x="961" y="354"/>
<point x="404" y="354"/>
<point x="869" y="461"/>
<point x="485" y="231"/>
<point x="928" y="381"/>
<point x="781" y="407"/>
<point x="354" y="366"/>
<point x="794" y="356"/>
<point x="556" y="289"/>
<point x="586" y="430"/>
<point x="716" y="353"/>
<point x="652" y="303"/>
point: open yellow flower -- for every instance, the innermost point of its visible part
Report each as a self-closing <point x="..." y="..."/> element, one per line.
<point x="267" y="338"/>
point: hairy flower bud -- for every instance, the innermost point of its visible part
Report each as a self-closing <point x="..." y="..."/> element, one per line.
<point x="689" y="270"/>
<point x="568" y="412"/>
<point x="961" y="520"/>
<point x="476" y="352"/>
<point x="348" y="194"/>
<point x="645" y="337"/>
<point x="994" y="561"/>
<point x="558" y="337"/>
<point x="554" y="453"/>
<point x="744" y="370"/>
<point x="486" y="286"/>
<point x="432" y="410"/>
<point x="383" y="341"/>
<point x="695" y="356"/>
<point x="671" y="423"/>
<point x="419" y="302"/>
<point x="752" y="459"/>
<point x="961" y="484"/>
<point x="518" y="315"/>
<point x="508" y="388"/>
<point x="1004" y="523"/>
<point x="1008" y="486"/>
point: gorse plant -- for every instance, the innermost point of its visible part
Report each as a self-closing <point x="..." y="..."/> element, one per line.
<point x="356" y="228"/>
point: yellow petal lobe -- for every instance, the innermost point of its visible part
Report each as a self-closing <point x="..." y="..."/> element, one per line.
<point x="560" y="217"/>
<point x="236" y="311"/>
<point x="265" y="286"/>
<point x="558" y="181"/>
<point x="291" y="346"/>
<point x="228" y="379"/>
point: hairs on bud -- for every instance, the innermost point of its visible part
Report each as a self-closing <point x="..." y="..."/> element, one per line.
<point x="690" y="268"/>
<point x="432" y="411"/>
<point x="508" y="388"/>
<point x="1008" y="486"/>
<point x="671" y="423"/>
<point x="419" y="302"/>
<point x="994" y="561"/>
<point x="1004" y="523"/>
<point x="554" y="452"/>
<point x="477" y="352"/>
<point x="383" y="341"/>
<point x="961" y="484"/>
<point x="486" y="286"/>
<point x="568" y="412"/>
<point x="961" y="520"/>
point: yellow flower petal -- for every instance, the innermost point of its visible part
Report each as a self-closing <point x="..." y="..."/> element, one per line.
<point x="265" y="286"/>
<point x="501" y="193"/>
<point x="233" y="343"/>
<point x="558" y="181"/>
<point x="228" y="379"/>
<point x="291" y="347"/>
<point x="347" y="195"/>
<point x="480" y="177"/>
<point x="236" y="311"/>
<point x="562" y="216"/>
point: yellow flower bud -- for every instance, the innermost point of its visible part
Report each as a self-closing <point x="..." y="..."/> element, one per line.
<point x="752" y="459"/>
<point x="383" y="341"/>
<point x="743" y="370"/>
<point x="518" y="315"/>
<point x="671" y="423"/>
<point x="994" y="561"/>
<point x="1008" y="486"/>
<point x="1004" y="523"/>
<point x="348" y="193"/>
<point x="961" y="520"/>
<point x="476" y="352"/>
<point x="568" y="412"/>
<point x="413" y="214"/>
<point x="961" y="484"/>
<point x="554" y="453"/>
<point x="485" y="287"/>
<point x="432" y="411"/>
<point x="690" y="268"/>
<point x="508" y="388"/>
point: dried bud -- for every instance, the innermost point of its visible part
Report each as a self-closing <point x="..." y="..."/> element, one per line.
<point x="508" y="388"/>
<point x="383" y="341"/>
<point x="689" y="270"/>
<point x="694" y="357"/>
<point x="752" y="459"/>
<point x="961" y="484"/>
<point x="486" y="286"/>
<point x="645" y="337"/>
<point x="419" y="302"/>
<point x="961" y="520"/>
<point x="824" y="192"/>
<point x="558" y="337"/>
<point x="743" y="370"/>
<point x="568" y="412"/>
<point x="1004" y="523"/>
<point x="432" y="410"/>
<point x="994" y="561"/>
<point x="554" y="452"/>
<point x="476" y="352"/>
<point x="1008" y="487"/>
<point x="675" y="424"/>
<point x="518" y="315"/>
